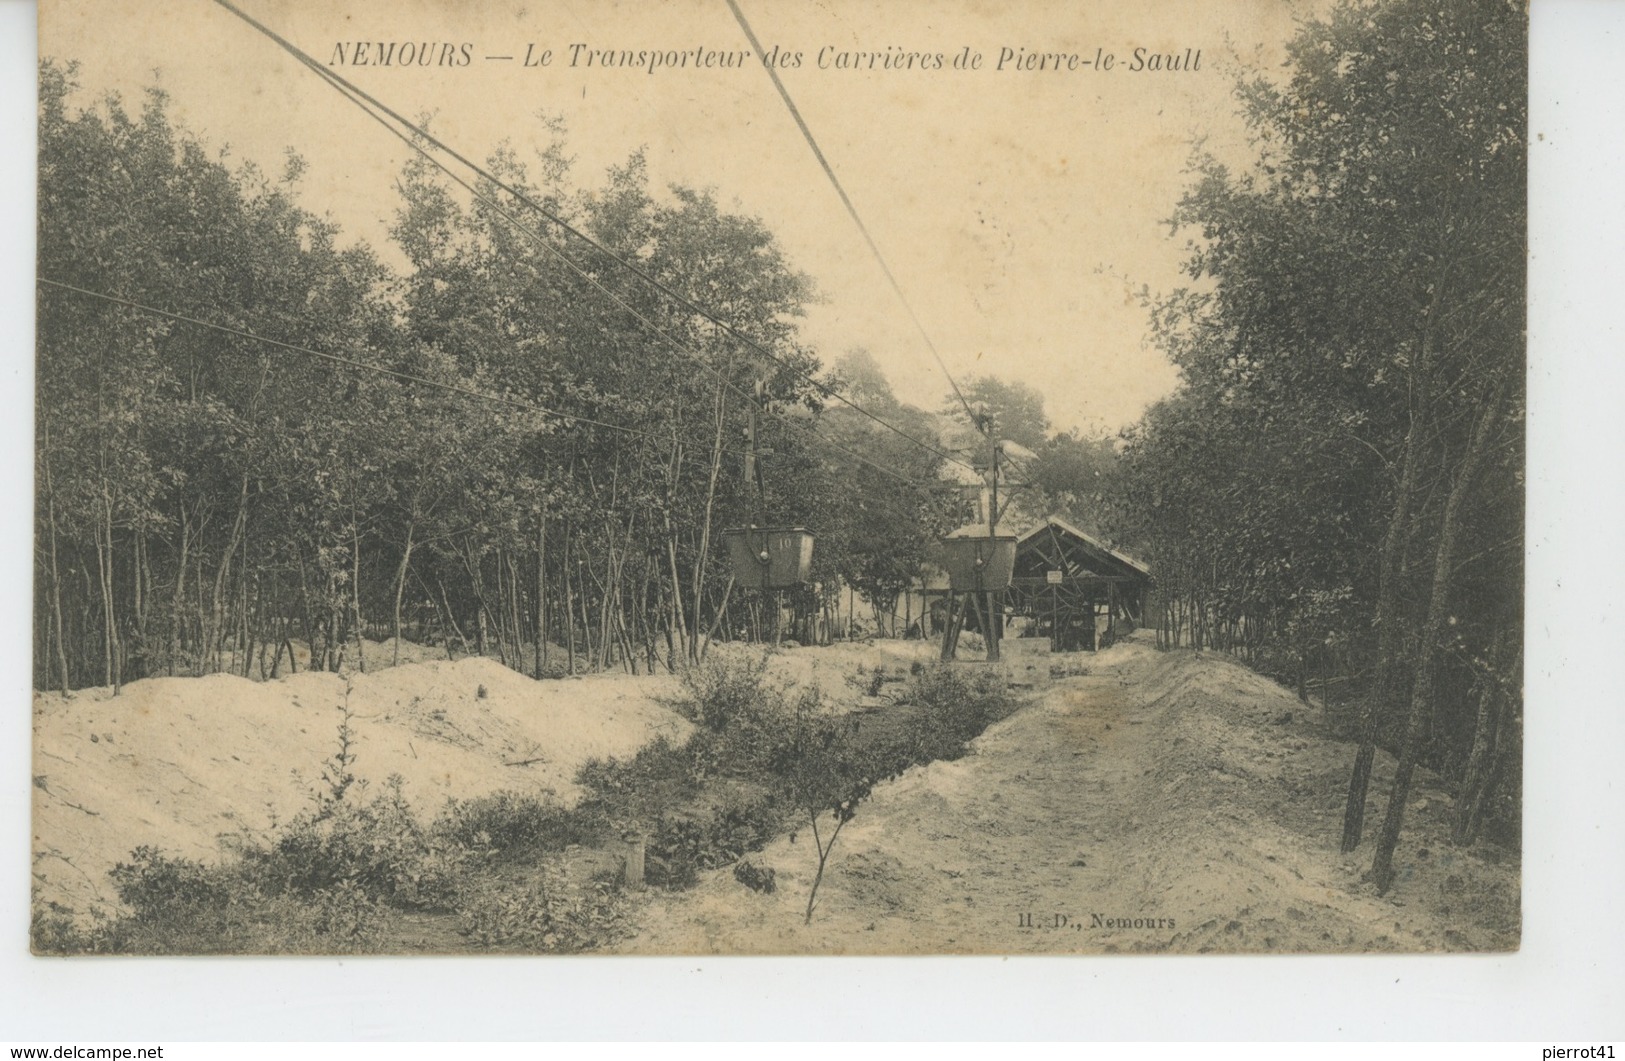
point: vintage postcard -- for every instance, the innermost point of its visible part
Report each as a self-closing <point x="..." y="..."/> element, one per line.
<point x="739" y="477"/>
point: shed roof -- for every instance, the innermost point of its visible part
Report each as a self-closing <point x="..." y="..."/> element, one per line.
<point x="1056" y="536"/>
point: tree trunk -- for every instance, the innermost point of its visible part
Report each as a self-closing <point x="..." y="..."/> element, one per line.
<point x="452" y="619"/>
<point x="1388" y="628"/>
<point x="104" y="566"/>
<point x="177" y="610"/>
<point x="541" y="595"/>
<point x="1495" y="703"/>
<point x="569" y="605"/>
<point x="1432" y="633"/>
<point x="56" y="577"/>
<point x="679" y="624"/>
<point x="719" y="618"/>
<point x="400" y="583"/>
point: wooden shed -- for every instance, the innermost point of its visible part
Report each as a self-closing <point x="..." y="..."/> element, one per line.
<point x="1075" y="589"/>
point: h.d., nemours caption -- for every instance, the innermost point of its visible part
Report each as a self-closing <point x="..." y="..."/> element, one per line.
<point x="726" y="477"/>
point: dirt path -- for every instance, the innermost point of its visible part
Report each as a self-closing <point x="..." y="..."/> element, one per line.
<point x="1164" y="802"/>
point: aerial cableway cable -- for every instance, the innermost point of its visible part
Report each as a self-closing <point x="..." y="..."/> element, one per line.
<point x="412" y="141"/>
<point x="408" y="377"/>
<point x="350" y="362"/>
<point x="360" y="97"/>
<point x="659" y="332"/>
<point x="852" y="211"/>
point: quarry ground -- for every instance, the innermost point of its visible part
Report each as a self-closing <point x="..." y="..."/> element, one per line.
<point x="1137" y="802"/>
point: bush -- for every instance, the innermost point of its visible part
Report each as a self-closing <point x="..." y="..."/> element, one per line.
<point x="725" y="692"/>
<point x="670" y="790"/>
<point x="547" y="912"/>
<point x="54" y="931"/>
<point x="709" y="836"/>
<point x="377" y="846"/>
<point x="958" y="704"/>
<point x="633" y="792"/>
<point x="344" y="917"/>
<point x="760" y="758"/>
<point x="326" y="881"/>
<point x="181" y="906"/>
<point x="162" y="888"/>
<point x="511" y="824"/>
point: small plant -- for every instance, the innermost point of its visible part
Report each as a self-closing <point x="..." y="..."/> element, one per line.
<point x="480" y="693"/>
<point x="377" y="846"/>
<point x="827" y="774"/>
<point x="337" y="772"/>
<point x="712" y="835"/>
<point x="180" y="906"/>
<point x="548" y="912"/>
<point x="55" y="931"/>
<point x="724" y="691"/>
<point x="756" y="878"/>
<point x="511" y="824"/>
<point x="345" y="918"/>
<point x="505" y="914"/>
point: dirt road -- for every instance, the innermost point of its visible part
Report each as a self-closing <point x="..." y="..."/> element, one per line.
<point x="1165" y="802"/>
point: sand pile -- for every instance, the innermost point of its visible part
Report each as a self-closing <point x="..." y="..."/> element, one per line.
<point x="176" y="763"/>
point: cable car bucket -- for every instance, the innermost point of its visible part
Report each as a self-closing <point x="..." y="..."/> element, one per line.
<point x="979" y="564"/>
<point x="770" y="557"/>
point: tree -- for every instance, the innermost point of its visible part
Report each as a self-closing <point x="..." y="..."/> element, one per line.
<point x="1072" y="475"/>
<point x="516" y="446"/>
<point x="826" y="771"/>
<point x="1015" y="409"/>
<point x="891" y="511"/>
<point x="174" y="455"/>
<point x="1343" y="465"/>
<point x="634" y="512"/>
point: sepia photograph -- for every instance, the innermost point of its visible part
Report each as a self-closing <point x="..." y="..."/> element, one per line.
<point x="712" y="477"/>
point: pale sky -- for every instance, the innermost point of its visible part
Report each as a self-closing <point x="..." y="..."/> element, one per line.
<point x="1020" y="210"/>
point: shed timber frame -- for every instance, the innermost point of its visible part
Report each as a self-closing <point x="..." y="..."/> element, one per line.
<point x="1078" y="591"/>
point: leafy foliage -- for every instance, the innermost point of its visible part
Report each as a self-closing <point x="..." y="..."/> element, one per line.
<point x="1337" y="486"/>
<point x="548" y="912"/>
<point x="376" y="846"/>
<point x="511" y="825"/>
<point x="206" y="502"/>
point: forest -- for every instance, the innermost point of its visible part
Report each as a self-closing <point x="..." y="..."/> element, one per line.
<point x="1335" y="493"/>
<point x="500" y="446"/>
<point x="253" y="432"/>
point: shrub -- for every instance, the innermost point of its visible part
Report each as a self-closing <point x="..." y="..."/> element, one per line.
<point x="377" y="846"/>
<point x="958" y="704"/>
<point x="180" y="906"/>
<point x="546" y="912"/>
<point x="511" y="824"/>
<point x="725" y="692"/>
<point x="713" y="834"/>
<point x="155" y="885"/>
<point x="54" y="930"/>
<point x="344" y="917"/>
<point x="623" y="792"/>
